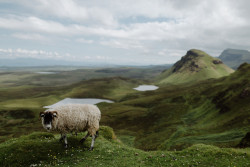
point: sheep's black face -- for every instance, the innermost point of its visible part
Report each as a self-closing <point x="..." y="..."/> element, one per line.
<point x="47" y="118"/>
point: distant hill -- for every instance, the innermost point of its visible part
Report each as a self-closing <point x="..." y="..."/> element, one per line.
<point x="32" y="62"/>
<point x="235" y="57"/>
<point x="196" y="65"/>
<point x="35" y="62"/>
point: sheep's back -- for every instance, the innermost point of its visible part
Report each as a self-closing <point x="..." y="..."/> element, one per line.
<point x="77" y="117"/>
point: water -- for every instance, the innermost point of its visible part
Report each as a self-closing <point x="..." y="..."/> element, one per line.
<point x="146" y="87"/>
<point x="79" y="101"/>
<point x="44" y="72"/>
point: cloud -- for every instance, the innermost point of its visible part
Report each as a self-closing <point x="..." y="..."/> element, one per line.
<point x="82" y="40"/>
<point x="28" y="36"/>
<point x="24" y="53"/>
<point x="122" y="44"/>
<point x="162" y="29"/>
<point x="32" y="24"/>
<point x="71" y="10"/>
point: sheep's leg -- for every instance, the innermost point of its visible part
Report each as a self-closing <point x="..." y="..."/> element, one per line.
<point x="61" y="138"/>
<point x="65" y="141"/>
<point x="92" y="143"/>
<point x="97" y="134"/>
<point x="83" y="139"/>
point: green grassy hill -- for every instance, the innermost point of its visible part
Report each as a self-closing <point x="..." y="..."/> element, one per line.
<point x="214" y="111"/>
<point x="188" y="118"/>
<point x="44" y="149"/>
<point x="195" y="66"/>
<point x="19" y="106"/>
<point x="66" y="76"/>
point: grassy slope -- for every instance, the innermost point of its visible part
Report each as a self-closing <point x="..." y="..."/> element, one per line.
<point x="19" y="106"/>
<point x="207" y="69"/>
<point x="172" y="117"/>
<point x="27" y="92"/>
<point x="43" y="149"/>
<point x="175" y="117"/>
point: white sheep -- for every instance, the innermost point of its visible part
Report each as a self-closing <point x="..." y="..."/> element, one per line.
<point x="70" y="118"/>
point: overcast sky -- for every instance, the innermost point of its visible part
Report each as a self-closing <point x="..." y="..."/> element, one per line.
<point x="121" y="31"/>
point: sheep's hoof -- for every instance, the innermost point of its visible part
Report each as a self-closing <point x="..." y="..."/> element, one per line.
<point x="97" y="134"/>
<point x="91" y="148"/>
<point x="65" y="145"/>
<point x="61" y="139"/>
<point x="82" y="140"/>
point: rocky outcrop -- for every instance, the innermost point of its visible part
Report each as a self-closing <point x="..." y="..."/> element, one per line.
<point x="195" y="66"/>
<point x="217" y="62"/>
<point x="189" y="61"/>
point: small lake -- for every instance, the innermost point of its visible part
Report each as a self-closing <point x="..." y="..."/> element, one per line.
<point x="79" y="101"/>
<point x="44" y="72"/>
<point x="146" y="87"/>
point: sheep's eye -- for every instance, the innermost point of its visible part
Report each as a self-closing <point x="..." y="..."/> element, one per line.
<point x="42" y="115"/>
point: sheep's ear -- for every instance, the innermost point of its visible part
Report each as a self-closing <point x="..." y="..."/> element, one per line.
<point x="41" y="114"/>
<point x="54" y="113"/>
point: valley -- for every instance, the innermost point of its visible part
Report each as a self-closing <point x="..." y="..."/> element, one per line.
<point x="210" y="113"/>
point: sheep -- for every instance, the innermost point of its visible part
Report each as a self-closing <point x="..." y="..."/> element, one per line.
<point x="71" y="118"/>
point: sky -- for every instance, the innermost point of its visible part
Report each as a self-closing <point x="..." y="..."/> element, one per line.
<point x="134" y="32"/>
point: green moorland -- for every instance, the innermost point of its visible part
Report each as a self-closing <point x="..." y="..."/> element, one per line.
<point x="19" y="107"/>
<point x="44" y="149"/>
<point x="187" y="118"/>
<point x="215" y="111"/>
<point x="61" y="76"/>
<point x="23" y="93"/>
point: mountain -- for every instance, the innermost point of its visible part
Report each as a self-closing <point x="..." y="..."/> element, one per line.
<point x="235" y="57"/>
<point x="196" y="65"/>
<point x="33" y="62"/>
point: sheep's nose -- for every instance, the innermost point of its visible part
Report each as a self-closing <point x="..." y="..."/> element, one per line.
<point x="48" y="128"/>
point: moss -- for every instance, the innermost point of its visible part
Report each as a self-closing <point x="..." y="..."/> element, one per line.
<point x="40" y="135"/>
<point x="43" y="146"/>
<point x="25" y="151"/>
<point x="107" y="133"/>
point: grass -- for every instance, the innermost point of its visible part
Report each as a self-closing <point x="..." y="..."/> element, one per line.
<point x="68" y="75"/>
<point x="174" y="117"/>
<point x="32" y="99"/>
<point x="108" y="88"/>
<point x="44" y="149"/>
